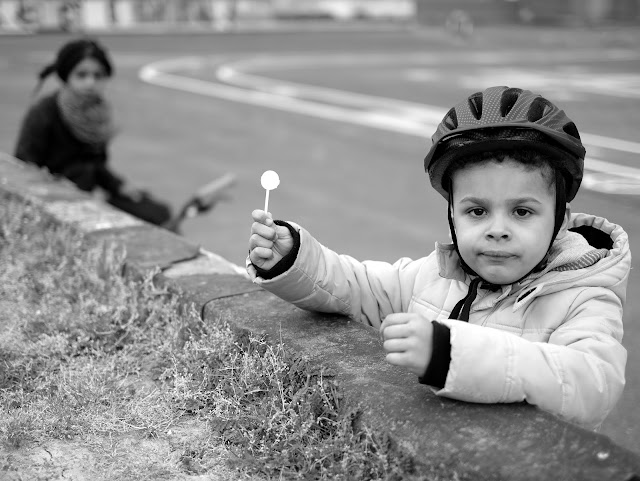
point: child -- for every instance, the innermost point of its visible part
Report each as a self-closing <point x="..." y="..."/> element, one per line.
<point x="524" y="305"/>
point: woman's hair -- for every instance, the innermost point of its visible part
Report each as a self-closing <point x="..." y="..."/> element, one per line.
<point x="71" y="54"/>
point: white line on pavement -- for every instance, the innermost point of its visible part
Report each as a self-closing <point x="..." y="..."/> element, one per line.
<point x="383" y="113"/>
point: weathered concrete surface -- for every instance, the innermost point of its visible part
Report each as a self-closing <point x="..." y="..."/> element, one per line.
<point x="59" y="197"/>
<point x="149" y="246"/>
<point x="205" y="263"/>
<point x="27" y="181"/>
<point x="481" y="442"/>
<point x="200" y="290"/>
<point x="497" y="442"/>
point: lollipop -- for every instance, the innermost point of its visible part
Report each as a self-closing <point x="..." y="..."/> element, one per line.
<point x="269" y="181"/>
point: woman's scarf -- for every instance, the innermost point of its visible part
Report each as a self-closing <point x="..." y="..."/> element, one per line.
<point x="88" y="116"/>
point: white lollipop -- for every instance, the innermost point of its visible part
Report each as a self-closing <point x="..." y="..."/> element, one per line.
<point x="269" y="181"/>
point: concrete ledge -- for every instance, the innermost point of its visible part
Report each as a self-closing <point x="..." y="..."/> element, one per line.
<point x="497" y="442"/>
<point x="481" y="442"/>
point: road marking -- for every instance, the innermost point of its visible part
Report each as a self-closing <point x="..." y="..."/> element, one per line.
<point x="610" y="178"/>
<point x="398" y="116"/>
<point x="610" y="143"/>
<point x="567" y="85"/>
<point x="157" y="74"/>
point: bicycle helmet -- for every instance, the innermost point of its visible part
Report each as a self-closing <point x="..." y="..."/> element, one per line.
<point x="503" y="118"/>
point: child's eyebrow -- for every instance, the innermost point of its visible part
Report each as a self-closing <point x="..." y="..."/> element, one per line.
<point x="519" y="200"/>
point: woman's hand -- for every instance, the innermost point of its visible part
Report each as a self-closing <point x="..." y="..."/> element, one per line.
<point x="131" y="191"/>
<point x="408" y="341"/>
<point x="268" y="242"/>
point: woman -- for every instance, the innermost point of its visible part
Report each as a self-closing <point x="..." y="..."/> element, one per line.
<point x="69" y="130"/>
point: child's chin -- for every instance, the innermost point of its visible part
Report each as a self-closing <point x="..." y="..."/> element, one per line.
<point x="499" y="278"/>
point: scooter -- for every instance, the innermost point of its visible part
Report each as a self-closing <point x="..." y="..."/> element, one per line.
<point x="203" y="200"/>
<point x="148" y="208"/>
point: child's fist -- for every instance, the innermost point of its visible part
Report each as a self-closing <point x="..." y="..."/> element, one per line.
<point x="268" y="242"/>
<point x="408" y="341"/>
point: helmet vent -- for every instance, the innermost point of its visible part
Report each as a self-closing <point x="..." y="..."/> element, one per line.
<point x="571" y="129"/>
<point x="451" y="119"/>
<point x="538" y="109"/>
<point x="508" y="100"/>
<point x="475" y="105"/>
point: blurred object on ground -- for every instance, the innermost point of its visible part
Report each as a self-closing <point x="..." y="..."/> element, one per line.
<point x="539" y="12"/>
<point x="203" y="200"/>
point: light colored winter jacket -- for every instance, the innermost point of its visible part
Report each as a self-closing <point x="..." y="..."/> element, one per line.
<point x="553" y="340"/>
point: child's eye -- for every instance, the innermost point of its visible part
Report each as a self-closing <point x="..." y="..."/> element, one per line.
<point x="522" y="212"/>
<point x="476" y="212"/>
<point x="82" y="75"/>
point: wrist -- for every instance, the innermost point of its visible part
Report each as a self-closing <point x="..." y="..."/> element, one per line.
<point x="438" y="365"/>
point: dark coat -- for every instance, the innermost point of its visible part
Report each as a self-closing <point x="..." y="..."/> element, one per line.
<point x="45" y="140"/>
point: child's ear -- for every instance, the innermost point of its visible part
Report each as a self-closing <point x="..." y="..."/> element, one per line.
<point x="565" y="223"/>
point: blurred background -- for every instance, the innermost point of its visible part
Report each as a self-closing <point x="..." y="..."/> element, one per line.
<point x="341" y="97"/>
<point x="39" y="15"/>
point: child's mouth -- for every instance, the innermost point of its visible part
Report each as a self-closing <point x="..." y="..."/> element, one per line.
<point x="497" y="254"/>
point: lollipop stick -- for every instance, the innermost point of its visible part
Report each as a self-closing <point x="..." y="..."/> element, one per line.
<point x="266" y="200"/>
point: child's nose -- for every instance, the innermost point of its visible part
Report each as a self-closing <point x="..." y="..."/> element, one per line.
<point x="498" y="228"/>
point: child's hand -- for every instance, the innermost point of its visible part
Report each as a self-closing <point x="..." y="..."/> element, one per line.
<point x="408" y="340"/>
<point x="268" y="242"/>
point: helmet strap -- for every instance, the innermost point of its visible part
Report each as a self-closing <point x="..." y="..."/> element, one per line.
<point x="452" y="229"/>
<point x="561" y="205"/>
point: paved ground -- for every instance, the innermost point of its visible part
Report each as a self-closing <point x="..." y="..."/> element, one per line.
<point x="350" y="164"/>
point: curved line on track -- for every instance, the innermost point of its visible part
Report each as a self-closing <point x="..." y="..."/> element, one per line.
<point x="409" y="118"/>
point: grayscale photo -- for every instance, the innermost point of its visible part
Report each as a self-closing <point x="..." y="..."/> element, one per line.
<point x="319" y="240"/>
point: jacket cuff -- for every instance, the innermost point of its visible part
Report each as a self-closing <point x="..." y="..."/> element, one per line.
<point x="109" y="181"/>
<point x="287" y="261"/>
<point x="438" y="368"/>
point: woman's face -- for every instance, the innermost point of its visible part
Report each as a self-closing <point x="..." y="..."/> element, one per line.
<point x="88" y="77"/>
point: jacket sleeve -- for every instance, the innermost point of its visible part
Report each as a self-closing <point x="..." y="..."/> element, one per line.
<point x="33" y="137"/>
<point x="324" y="281"/>
<point x="578" y="374"/>
<point x="109" y="181"/>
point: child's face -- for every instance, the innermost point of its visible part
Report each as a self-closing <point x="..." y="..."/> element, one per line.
<point x="88" y="76"/>
<point x="504" y="216"/>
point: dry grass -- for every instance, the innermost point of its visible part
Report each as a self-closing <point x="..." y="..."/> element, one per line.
<point x="108" y="377"/>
